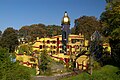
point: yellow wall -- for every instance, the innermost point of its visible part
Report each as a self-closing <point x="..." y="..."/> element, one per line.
<point x="26" y="59"/>
<point x="83" y="60"/>
<point x="43" y="41"/>
<point x="107" y="46"/>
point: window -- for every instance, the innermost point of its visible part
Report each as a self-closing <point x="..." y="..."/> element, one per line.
<point x="61" y="51"/>
<point x="81" y="41"/>
<point x="53" y="42"/>
<point x="54" y="47"/>
<point x="60" y="47"/>
<point x="51" y="46"/>
<point x="75" y="40"/>
<point x="40" y="46"/>
<point x="63" y="34"/>
<point x="48" y="42"/>
<point x="53" y="52"/>
<point x="43" y="41"/>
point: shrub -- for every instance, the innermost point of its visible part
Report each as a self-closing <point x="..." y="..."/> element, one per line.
<point x="96" y="65"/>
<point x="12" y="70"/>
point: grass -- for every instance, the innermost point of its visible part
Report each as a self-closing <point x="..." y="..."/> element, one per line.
<point x="32" y="71"/>
<point x="107" y="72"/>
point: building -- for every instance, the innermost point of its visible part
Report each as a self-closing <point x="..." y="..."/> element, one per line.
<point x="76" y="44"/>
<point x="53" y="45"/>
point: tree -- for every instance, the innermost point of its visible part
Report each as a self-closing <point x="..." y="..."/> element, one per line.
<point x="25" y="48"/>
<point x="9" y="39"/>
<point x="0" y="33"/>
<point x="44" y="62"/>
<point x="96" y="46"/>
<point x="110" y="1"/>
<point x="110" y="19"/>
<point x="73" y="30"/>
<point x="53" y="30"/>
<point x="37" y="30"/>
<point x="24" y="31"/>
<point x="87" y="25"/>
<point x="12" y="70"/>
<point x="30" y="33"/>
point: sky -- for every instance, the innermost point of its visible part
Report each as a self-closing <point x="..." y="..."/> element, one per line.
<point x="18" y="13"/>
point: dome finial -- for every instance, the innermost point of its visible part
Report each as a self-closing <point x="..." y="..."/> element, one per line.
<point x="65" y="14"/>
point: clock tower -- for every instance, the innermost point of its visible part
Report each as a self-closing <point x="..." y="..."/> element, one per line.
<point x="65" y="31"/>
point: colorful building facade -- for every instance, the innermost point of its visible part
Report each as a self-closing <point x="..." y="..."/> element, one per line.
<point x="76" y="44"/>
<point x="53" y="45"/>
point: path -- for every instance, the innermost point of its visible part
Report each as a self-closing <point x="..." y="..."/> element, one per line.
<point x="45" y="78"/>
<point x="57" y="76"/>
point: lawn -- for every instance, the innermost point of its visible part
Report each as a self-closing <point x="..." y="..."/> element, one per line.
<point x="107" y="72"/>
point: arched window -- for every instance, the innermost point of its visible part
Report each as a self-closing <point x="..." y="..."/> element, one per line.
<point x="51" y="46"/>
<point x="40" y="46"/>
<point x="53" y="52"/>
<point x="43" y="41"/>
<point x="48" y="42"/>
<point x="54" y="47"/>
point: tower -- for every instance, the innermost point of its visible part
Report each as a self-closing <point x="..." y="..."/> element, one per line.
<point x="65" y="31"/>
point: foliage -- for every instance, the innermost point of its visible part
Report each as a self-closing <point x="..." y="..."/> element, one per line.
<point x="111" y="1"/>
<point x="115" y="47"/>
<point x="12" y="70"/>
<point x="0" y="33"/>
<point x="25" y="48"/>
<point x="106" y="59"/>
<point x="73" y="30"/>
<point x="49" y="66"/>
<point x="53" y="30"/>
<point x="96" y="65"/>
<point x="31" y="32"/>
<point x="107" y="72"/>
<point x="110" y="19"/>
<point x="9" y="39"/>
<point x="44" y="63"/>
<point x="96" y="48"/>
<point x="38" y="30"/>
<point x="87" y="25"/>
